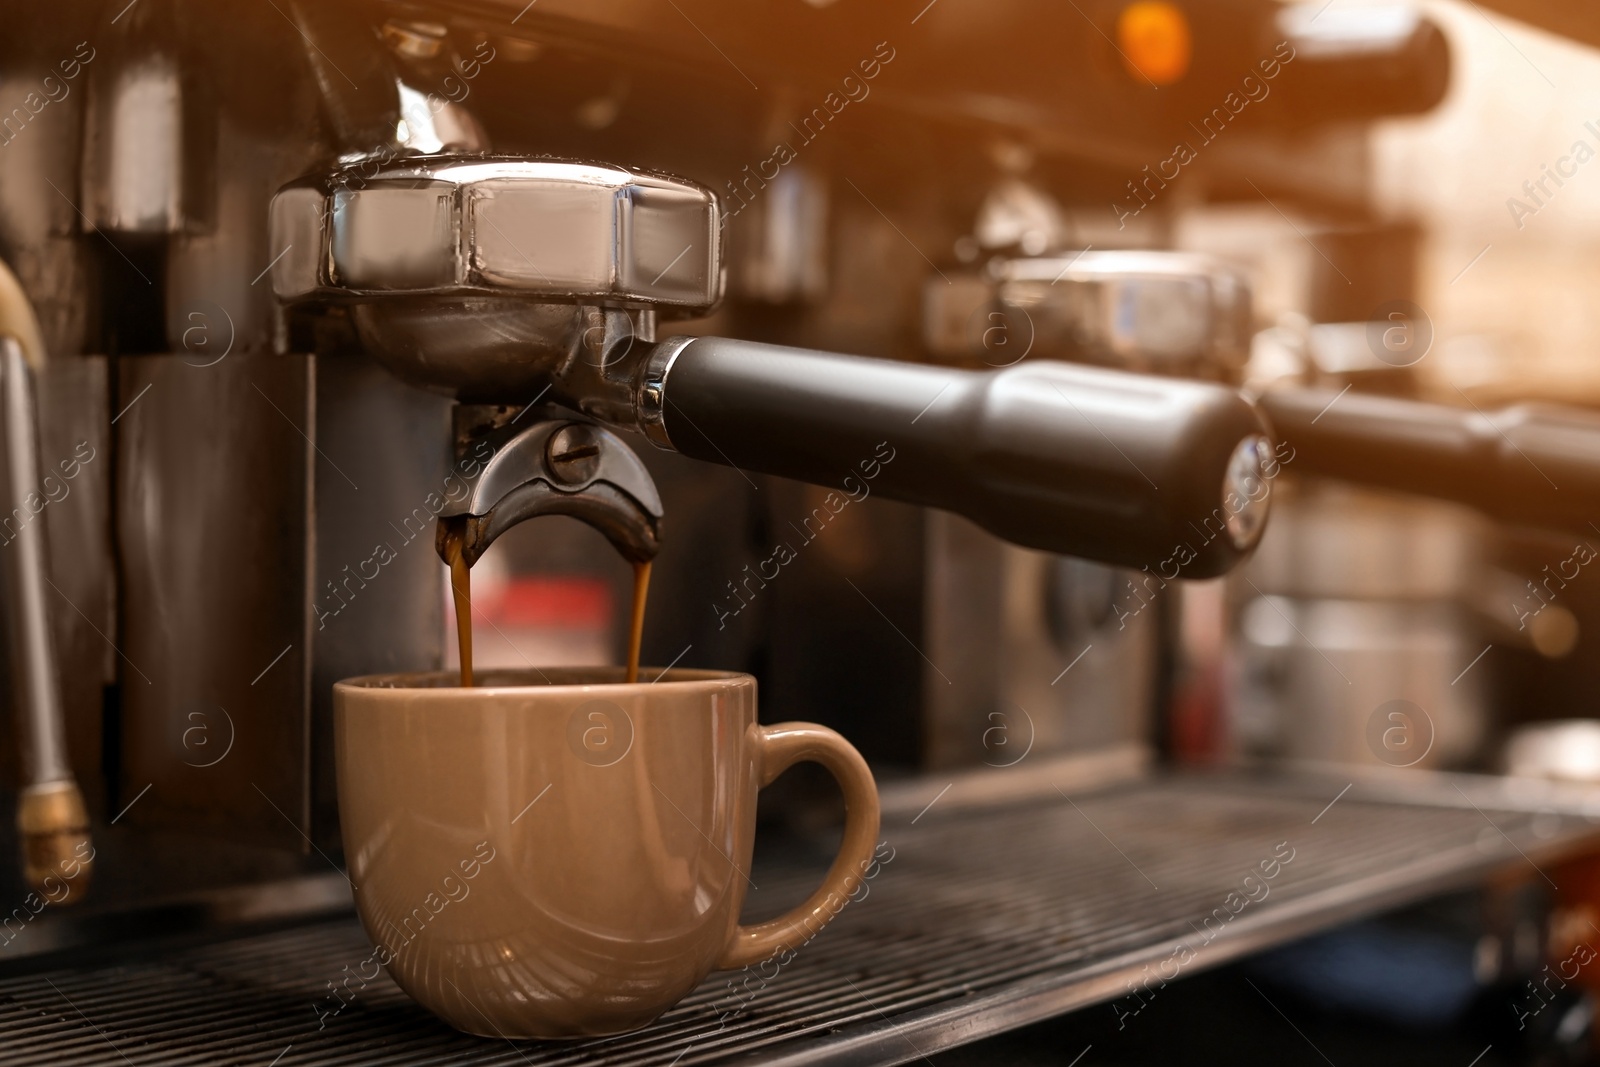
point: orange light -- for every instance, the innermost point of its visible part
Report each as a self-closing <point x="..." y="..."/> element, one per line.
<point x="1154" y="38"/>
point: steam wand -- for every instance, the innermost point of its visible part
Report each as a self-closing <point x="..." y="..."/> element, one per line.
<point x="50" y="813"/>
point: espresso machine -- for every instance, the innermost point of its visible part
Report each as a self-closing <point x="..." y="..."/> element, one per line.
<point x="820" y="309"/>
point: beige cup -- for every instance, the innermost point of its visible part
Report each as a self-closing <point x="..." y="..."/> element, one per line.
<point x="566" y="855"/>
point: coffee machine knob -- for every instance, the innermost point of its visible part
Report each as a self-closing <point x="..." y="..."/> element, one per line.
<point x="1171" y="313"/>
<point x="540" y="230"/>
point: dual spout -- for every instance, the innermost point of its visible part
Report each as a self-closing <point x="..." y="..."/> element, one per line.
<point x="558" y="467"/>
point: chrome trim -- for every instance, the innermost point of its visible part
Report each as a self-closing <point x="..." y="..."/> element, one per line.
<point x="41" y="719"/>
<point x="651" y="399"/>
<point x="978" y="788"/>
<point x="532" y="229"/>
<point x="1247" y="491"/>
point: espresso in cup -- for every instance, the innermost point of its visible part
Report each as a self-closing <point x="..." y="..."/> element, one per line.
<point x="561" y="853"/>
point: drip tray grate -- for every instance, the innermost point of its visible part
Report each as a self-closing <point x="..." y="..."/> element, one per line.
<point x="982" y="920"/>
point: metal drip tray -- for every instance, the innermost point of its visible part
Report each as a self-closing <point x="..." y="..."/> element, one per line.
<point x="983" y="920"/>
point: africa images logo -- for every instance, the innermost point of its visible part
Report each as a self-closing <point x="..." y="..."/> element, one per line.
<point x="599" y="732"/>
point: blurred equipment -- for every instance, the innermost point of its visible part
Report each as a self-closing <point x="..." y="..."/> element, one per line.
<point x="1528" y="465"/>
<point x="1356" y="621"/>
<point x="1449" y="599"/>
<point x="1566" y="751"/>
<point x="1167" y="313"/>
<point x="1069" y="655"/>
<point x="1354" y="626"/>
<point x="1367" y="60"/>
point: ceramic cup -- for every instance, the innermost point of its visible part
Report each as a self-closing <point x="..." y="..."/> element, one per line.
<point x="558" y="854"/>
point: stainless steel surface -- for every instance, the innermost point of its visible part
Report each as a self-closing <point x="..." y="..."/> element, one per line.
<point x="779" y="255"/>
<point x="1357" y="606"/>
<point x="40" y="719"/>
<point x="217" y="303"/>
<point x="561" y="468"/>
<point x="964" y="585"/>
<point x="1038" y="655"/>
<point x="974" y="922"/>
<point x="1331" y="540"/>
<point x="467" y="272"/>
<point x="433" y="125"/>
<point x="215" y="481"/>
<point x="383" y="473"/>
<point x="537" y="229"/>
<point x="37" y="227"/>
<point x="135" y="171"/>
<point x="976" y="789"/>
<point x="501" y="350"/>
<point x="74" y="434"/>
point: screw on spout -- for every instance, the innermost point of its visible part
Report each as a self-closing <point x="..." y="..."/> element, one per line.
<point x="573" y="454"/>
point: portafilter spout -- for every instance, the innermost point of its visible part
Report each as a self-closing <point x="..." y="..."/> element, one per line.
<point x="561" y="467"/>
<point x="512" y="280"/>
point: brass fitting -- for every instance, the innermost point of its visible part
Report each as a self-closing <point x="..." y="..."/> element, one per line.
<point x="57" y="854"/>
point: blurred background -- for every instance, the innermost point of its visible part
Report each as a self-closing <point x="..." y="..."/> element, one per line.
<point x="1375" y="222"/>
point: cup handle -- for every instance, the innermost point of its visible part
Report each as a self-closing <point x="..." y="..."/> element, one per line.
<point x="780" y="747"/>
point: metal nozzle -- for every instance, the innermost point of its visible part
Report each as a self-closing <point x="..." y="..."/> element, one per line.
<point x="50" y="812"/>
<point x="57" y="854"/>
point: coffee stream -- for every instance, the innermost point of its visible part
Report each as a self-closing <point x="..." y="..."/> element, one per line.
<point x="461" y="591"/>
<point x="641" y="589"/>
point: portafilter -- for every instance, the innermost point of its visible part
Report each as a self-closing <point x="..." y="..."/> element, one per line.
<point x="515" y="280"/>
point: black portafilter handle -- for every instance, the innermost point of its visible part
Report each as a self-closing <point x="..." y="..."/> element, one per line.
<point x="1122" y="468"/>
<point x="1529" y="465"/>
